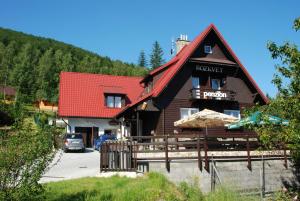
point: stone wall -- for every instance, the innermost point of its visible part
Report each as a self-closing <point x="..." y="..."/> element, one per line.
<point x="233" y="174"/>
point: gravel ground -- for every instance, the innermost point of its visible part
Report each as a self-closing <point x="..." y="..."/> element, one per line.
<point x="73" y="165"/>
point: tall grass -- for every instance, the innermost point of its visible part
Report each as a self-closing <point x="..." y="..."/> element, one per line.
<point x="225" y="194"/>
<point x="151" y="187"/>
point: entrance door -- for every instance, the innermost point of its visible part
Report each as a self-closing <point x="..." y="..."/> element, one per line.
<point x="89" y="133"/>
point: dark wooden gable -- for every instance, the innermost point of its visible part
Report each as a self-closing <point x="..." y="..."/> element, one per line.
<point x="219" y="54"/>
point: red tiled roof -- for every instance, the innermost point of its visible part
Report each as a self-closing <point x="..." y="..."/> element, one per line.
<point x="175" y="64"/>
<point x="82" y="94"/>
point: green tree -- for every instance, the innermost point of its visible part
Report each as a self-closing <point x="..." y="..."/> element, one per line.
<point x="2" y="67"/>
<point x="68" y="63"/>
<point x="48" y="78"/>
<point x="7" y="55"/>
<point x="21" y="64"/>
<point x="24" y="74"/>
<point x="156" y="57"/>
<point x="142" y="59"/>
<point x="25" y="152"/>
<point x="287" y="103"/>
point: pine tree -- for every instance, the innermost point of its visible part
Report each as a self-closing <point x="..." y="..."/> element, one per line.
<point x="142" y="59"/>
<point x="7" y="55"/>
<point x="68" y="63"/>
<point x="48" y="77"/>
<point x="24" y="73"/>
<point x="156" y="56"/>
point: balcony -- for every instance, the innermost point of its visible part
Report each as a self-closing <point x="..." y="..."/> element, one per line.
<point x="208" y="93"/>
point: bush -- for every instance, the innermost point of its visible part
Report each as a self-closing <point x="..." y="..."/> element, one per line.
<point x="25" y="152"/>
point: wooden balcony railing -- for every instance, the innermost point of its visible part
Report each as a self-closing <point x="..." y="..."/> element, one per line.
<point x="124" y="155"/>
<point x="207" y="93"/>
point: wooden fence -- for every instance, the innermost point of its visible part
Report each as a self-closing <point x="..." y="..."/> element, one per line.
<point x="124" y="155"/>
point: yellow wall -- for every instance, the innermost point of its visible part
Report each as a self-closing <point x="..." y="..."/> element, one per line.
<point x="47" y="106"/>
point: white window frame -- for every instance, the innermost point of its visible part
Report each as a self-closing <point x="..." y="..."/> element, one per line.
<point x="207" y="49"/>
<point x="189" y="111"/>
<point x="119" y="103"/>
<point x="114" y="104"/>
<point x="110" y="101"/>
<point x="229" y="112"/>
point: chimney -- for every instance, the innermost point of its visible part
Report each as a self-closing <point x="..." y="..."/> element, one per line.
<point x="181" y="42"/>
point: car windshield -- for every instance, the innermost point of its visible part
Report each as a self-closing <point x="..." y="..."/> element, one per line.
<point x="74" y="136"/>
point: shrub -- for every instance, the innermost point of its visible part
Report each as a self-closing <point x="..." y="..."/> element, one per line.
<point x="25" y="152"/>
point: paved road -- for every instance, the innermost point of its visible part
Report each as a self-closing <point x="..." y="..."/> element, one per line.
<point x="73" y="165"/>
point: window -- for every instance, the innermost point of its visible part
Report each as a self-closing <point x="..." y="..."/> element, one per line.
<point x="196" y="82"/>
<point x="114" y="101"/>
<point x="216" y="84"/>
<point x="207" y="49"/>
<point x="118" y="101"/>
<point x="185" y="112"/>
<point x="234" y="113"/>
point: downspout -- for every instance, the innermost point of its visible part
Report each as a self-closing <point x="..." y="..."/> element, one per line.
<point x="66" y="123"/>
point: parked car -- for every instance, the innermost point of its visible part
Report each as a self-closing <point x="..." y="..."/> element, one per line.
<point x="73" y="141"/>
<point x="101" y="139"/>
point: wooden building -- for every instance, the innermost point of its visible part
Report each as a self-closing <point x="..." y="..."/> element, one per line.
<point x="8" y="93"/>
<point x="45" y="105"/>
<point x="205" y="73"/>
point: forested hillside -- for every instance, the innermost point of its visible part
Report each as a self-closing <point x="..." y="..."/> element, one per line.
<point x="33" y="64"/>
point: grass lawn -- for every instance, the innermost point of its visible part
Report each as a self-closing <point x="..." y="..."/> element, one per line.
<point x="151" y="187"/>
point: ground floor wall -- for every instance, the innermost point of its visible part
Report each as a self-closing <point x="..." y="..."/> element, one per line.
<point x="234" y="174"/>
<point x="101" y="124"/>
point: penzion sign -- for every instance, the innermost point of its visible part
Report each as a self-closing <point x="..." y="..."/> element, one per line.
<point x="212" y="69"/>
<point x="216" y="94"/>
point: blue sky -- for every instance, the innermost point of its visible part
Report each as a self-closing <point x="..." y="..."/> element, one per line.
<point x="121" y="29"/>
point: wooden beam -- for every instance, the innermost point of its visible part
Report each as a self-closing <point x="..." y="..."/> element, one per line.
<point x="137" y="123"/>
<point x="101" y="157"/>
<point x="205" y="153"/>
<point x="166" y="154"/>
<point x="92" y="143"/>
<point x="285" y="158"/>
<point x="248" y="154"/>
<point x="199" y="154"/>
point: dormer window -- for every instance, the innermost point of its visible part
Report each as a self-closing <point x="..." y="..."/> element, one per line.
<point x="113" y="101"/>
<point x="207" y="49"/>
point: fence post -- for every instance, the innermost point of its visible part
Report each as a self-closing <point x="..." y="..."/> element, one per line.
<point x="176" y="140"/>
<point x="205" y="152"/>
<point x="121" y="154"/>
<point x="199" y="154"/>
<point x="130" y="153"/>
<point x="248" y="154"/>
<point x="166" y="151"/>
<point x="285" y="158"/>
<point x="212" y="178"/>
<point x="262" y="178"/>
<point x="135" y="155"/>
<point x="106" y="156"/>
<point x="101" y="157"/>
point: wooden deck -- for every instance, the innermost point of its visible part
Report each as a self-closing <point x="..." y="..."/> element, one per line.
<point x="124" y="155"/>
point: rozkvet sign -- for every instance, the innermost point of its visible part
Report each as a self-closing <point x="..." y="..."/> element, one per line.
<point x="212" y="69"/>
